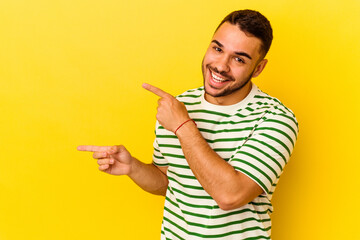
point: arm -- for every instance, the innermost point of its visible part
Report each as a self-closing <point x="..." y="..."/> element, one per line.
<point x="149" y="177"/>
<point x="228" y="187"/>
<point x="116" y="160"/>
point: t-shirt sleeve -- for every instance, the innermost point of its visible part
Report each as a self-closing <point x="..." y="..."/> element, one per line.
<point x="158" y="158"/>
<point x="265" y="153"/>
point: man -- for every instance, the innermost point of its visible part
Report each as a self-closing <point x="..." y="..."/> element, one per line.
<point x="219" y="149"/>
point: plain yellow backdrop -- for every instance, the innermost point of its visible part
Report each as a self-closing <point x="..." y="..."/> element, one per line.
<point x="71" y="74"/>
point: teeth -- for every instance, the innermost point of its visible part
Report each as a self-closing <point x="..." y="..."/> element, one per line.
<point x="217" y="79"/>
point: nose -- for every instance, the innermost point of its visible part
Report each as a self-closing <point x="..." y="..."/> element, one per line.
<point x="222" y="64"/>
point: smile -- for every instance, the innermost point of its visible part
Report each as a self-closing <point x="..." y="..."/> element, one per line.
<point x="217" y="78"/>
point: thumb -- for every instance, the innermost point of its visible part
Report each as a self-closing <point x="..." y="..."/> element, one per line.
<point x="116" y="149"/>
<point x="113" y="149"/>
<point x="121" y="154"/>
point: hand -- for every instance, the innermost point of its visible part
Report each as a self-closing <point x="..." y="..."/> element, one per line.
<point x="115" y="160"/>
<point x="171" y="113"/>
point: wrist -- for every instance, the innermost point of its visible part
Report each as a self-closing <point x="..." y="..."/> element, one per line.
<point x="182" y="124"/>
<point x="132" y="166"/>
<point x="186" y="128"/>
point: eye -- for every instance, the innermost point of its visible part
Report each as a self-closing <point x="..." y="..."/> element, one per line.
<point x="240" y="60"/>
<point x="217" y="49"/>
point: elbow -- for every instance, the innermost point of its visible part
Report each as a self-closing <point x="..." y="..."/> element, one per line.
<point x="159" y="191"/>
<point x="228" y="206"/>
<point x="230" y="202"/>
<point x="162" y="190"/>
<point x="225" y="207"/>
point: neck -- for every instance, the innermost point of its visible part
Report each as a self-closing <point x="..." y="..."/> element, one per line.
<point x="233" y="98"/>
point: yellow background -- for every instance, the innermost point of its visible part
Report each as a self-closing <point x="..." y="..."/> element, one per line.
<point x="71" y="73"/>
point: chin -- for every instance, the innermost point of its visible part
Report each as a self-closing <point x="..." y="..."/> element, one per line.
<point x="213" y="91"/>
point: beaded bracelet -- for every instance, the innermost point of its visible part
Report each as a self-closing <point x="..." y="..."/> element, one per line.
<point x="183" y="124"/>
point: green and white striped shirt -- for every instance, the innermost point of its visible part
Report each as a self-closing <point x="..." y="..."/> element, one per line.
<point x="256" y="136"/>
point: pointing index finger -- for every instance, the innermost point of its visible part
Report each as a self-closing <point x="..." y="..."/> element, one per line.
<point x="155" y="90"/>
<point x="91" y="148"/>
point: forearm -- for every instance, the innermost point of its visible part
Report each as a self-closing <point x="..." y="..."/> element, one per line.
<point x="148" y="177"/>
<point x="218" y="178"/>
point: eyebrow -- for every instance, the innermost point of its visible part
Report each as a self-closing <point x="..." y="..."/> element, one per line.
<point x="237" y="53"/>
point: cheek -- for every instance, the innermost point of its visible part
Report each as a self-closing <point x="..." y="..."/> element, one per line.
<point x="205" y="60"/>
<point x="209" y="57"/>
<point x="237" y="74"/>
<point x="241" y="72"/>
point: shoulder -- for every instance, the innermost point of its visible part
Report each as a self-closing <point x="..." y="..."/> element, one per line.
<point x="191" y="96"/>
<point x="272" y="105"/>
<point x="277" y="116"/>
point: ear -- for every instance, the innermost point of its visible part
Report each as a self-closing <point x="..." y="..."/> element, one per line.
<point x="259" y="68"/>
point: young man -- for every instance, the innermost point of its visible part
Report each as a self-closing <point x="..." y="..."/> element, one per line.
<point x="219" y="149"/>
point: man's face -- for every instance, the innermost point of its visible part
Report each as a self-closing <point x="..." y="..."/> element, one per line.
<point x="231" y="60"/>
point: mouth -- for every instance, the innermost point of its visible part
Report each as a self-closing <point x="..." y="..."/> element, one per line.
<point x="216" y="80"/>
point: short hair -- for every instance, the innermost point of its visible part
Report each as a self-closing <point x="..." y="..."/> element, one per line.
<point x="253" y="23"/>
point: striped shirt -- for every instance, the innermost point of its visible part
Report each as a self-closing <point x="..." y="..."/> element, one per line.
<point x="256" y="136"/>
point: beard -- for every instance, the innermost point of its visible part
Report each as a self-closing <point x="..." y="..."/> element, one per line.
<point x="228" y="90"/>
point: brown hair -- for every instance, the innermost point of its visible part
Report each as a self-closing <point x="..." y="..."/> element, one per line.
<point x="253" y="23"/>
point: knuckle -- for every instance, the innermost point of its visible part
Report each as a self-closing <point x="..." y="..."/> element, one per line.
<point x="103" y="167"/>
<point x="98" y="155"/>
<point x="103" y="161"/>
